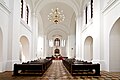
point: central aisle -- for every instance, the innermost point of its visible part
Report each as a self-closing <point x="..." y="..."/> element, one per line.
<point x="57" y="71"/>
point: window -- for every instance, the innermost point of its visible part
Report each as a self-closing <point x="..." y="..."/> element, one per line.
<point x="50" y="43"/>
<point x="91" y="8"/>
<point x="86" y="15"/>
<point x="27" y="9"/>
<point x="21" y="8"/>
<point x="57" y="42"/>
<point x="63" y="43"/>
<point x="25" y="12"/>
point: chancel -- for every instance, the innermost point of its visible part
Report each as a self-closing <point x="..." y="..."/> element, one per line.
<point x="60" y="39"/>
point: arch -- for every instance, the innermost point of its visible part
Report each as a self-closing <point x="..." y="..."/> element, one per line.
<point x="57" y="51"/>
<point x="55" y="30"/>
<point x="1" y="49"/>
<point x="88" y="48"/>
<point x="114" y="47"/>
<point x="58" y="27"/>
<point x="70" y="3"/>
<point x="57" y="42"/>
<point x="24" y="48"/>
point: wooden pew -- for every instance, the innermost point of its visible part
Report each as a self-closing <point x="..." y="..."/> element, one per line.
<point x="37" y="67"/>
<point x="82" y="68"/>
<point x="85" y="69"/>
<point x="31" y="68"/>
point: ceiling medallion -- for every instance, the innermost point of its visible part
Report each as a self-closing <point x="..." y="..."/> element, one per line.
<point x="56" y="16"/>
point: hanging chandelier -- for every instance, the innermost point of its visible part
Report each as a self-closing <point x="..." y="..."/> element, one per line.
<point x="56" y="16"/>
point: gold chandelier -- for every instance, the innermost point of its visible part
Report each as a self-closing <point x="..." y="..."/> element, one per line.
<point x="56" y="16"/>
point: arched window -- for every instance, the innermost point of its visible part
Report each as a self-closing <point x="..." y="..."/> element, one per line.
<point x="57" y="42"/>
<point x="25" y="11"/>
<point x="63" y="43"/>
<point x="21" y="8"/>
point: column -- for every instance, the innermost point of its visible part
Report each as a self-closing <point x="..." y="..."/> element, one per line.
<point x="78" y="40"/>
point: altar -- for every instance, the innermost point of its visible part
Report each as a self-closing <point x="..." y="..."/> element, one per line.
<point x="57" y="57"/>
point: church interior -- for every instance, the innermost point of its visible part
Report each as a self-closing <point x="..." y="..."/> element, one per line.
<point x="60" y="39"/>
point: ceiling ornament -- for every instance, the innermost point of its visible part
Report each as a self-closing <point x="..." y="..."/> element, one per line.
<point x="56" y="16"/>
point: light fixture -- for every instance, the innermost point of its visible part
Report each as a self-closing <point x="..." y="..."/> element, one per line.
<point x="56" y="16"/>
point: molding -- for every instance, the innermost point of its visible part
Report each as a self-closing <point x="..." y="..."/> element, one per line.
<point x="110" y="5"/>
<point x="86" y="26"/>
<point x="25" y="25"/>
<point x="4" y="8"/>
<point x="110" y="1"/>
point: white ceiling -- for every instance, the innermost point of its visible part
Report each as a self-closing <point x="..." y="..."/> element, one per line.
<point x="70" y="10"/>
<point x="67" y="11"/>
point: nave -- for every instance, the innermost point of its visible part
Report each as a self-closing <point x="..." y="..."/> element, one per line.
<point x="57" y="71"/>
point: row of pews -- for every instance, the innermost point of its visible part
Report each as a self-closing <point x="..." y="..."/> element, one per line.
<point x="36" y="67"/>
<point x="81" y="68"/>
<point x="53" y="58"/>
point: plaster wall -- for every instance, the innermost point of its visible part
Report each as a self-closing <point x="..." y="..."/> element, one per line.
<point x="4" y="15"/>
<point x="111" y="14"/>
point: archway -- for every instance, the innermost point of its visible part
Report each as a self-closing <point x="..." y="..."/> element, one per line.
<point x="1" y="49"/>
<point x="57" y="51"/>
<point x="114" y="47"/>
<point x="57" y="42"/>
<point x="88" y="49"/>
<point x="24" y="49"/>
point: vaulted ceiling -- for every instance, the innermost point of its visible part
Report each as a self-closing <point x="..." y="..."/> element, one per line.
<point x="67" y="11"/>
<point x="70" y="9"/>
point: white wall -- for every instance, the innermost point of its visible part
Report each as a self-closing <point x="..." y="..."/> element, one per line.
<point x="114" y="55"/>
<point x="72" y="42"/>
<point x="78" y="38"/>
<point x="105" y="13"/>
<point x="1" y="49"/>
<point x="93" y="29"/>
<point x="25" y="31"/>
<point x="110" y="16"/>
<point x="4" y="18"/>
<point x="17" y="28"/>
<point x="12" y="28"/>
<point x="13" y="35"/>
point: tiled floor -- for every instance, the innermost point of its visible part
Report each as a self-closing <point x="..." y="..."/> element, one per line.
<point x="58" y="72"/>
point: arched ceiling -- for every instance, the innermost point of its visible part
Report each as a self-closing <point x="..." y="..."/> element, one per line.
<point x="67" y="11"/>
<point x="70" y="7"/>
